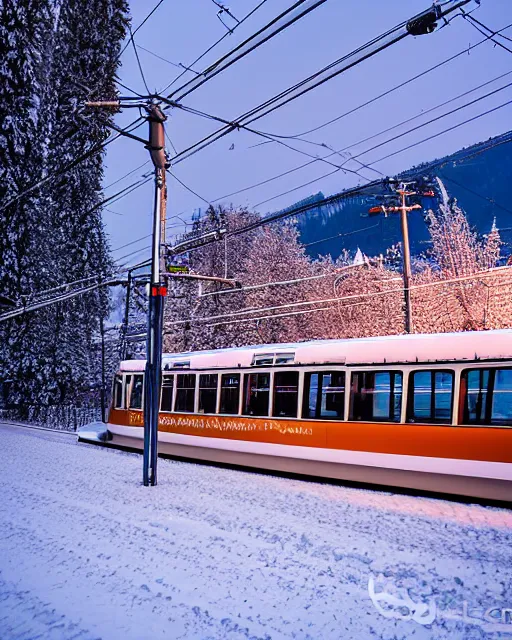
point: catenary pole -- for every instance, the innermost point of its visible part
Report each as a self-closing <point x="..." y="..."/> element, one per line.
<point x="157" y="288"/>
<point x="157" y="295"/>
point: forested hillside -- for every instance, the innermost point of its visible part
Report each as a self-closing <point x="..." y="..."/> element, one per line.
<point x="478" y="177"/>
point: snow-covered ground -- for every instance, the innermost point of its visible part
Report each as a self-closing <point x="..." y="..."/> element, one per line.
<point x="86" y="552"/>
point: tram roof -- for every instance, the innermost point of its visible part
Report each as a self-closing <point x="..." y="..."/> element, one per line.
<point x="397" y="349"/>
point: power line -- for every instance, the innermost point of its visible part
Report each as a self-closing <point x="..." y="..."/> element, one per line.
<point x="170" y="142"/>
<point x="211" y="47"/>
<point x="174" y="64"/>
<point x="59" y="172"/>
<point x="305" y="184"/>
<point x="188" y="188"/>
<point x="464" y="51"/>
<point x="335" y="198"/>
<point x="496" y="42"/>
<point x="475" y="193"/>
<point x="341" y="235"/>
<point x="332" y="70"/>
<point x="487" y="28"/>
<point x="440" y="117"/>
<point x="138" y="61"/>
<point x="417" y="143"/>
<point x="62" y="298"/>
<point x="254" y="287"/>
<point x="111" y="184"/>
<point x="436" y="135"/>
<point x="280" y="175"/>
<point x="368" y="295"/>
<point x="424" y="113"/>
<point x="268" y="137"/>
<point x="141" y="25"/>
<point x="281" y="22"/>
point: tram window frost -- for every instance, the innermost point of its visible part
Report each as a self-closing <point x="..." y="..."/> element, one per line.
<point x="208" y="392"/>
<point x="376" y="396"/>
<point x="324" y="395"/>
<point x="136" y="392"/>
<point x="286" y="394"/>
<point x="230" y="393"/>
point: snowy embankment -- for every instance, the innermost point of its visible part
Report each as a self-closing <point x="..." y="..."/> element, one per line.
<point x="87" y="552"/>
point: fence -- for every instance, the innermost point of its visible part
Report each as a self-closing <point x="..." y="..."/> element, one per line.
<point x="58" y="417"/>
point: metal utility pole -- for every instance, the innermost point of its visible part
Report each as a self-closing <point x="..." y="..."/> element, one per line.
<point x="157" y="295"/>
<point x="157" y="288"/>
<point x="103" y="390"/>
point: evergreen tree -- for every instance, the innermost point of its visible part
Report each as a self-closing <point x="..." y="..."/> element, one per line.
<point x="26" y="35"/>
<point x="69" y="53"/>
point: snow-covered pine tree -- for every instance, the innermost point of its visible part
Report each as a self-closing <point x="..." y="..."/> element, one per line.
<point x="85" y="60"/>
<point x="58" y="235"/>
<point x="26" y="35"/>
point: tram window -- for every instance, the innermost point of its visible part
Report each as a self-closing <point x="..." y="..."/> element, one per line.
<point x="230" y="393"/>
<point x="376" y="396"/>
<point x="256" y="394"/>
<point x="324" y="395"/>
<point x="263" y="359"/>
<point x="118" y="392"/>
<point x="488" y="396"/>
<point x="208" y="392"/>
<point x="286" y="394"/>
<point x="167" y="387"/>
<point x="431" y="397"/>
<point x="185" y="392"/>
<point x="136" y="392"/>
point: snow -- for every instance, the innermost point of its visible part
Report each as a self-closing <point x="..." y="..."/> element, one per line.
<point x="428" y="347"/>
<point x="87" y="552"/>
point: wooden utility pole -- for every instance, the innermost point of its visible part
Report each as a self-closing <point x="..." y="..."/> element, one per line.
<point x="403" y="209"/>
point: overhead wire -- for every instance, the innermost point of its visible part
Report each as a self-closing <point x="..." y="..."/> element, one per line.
<point x="473" y="20"/>
<point x="449" y="129"/>
<point x="187" y="187"/>
<point x="129" y="173"/>
<point x="393" y="139"/>
<point x="436" y="119"/>
<point x="269" y="137"/>
<point x="313" y="81"/>
<point x="402" y="84"/>
<point x="138" y="61"/>
<point x="141" y="25"/>
<point x="67" y="167"/>
<point x="367" y="295"/>
<point x="174" y="64"/>
<point x="281" y="22"/>
<point x="382" y="95"/>
<point x="475" y="193"/>
<point x="211" y="47"/>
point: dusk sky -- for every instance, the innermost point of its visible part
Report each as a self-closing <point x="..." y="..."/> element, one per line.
<point x="180" y="32"/>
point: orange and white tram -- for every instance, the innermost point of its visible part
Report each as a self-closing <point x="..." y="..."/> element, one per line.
<point x="429" y="412"/>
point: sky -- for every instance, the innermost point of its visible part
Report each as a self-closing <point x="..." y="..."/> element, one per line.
<point x="180" y="32"/>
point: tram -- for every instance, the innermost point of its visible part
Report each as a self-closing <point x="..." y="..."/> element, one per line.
<point x="427" y="412"/>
